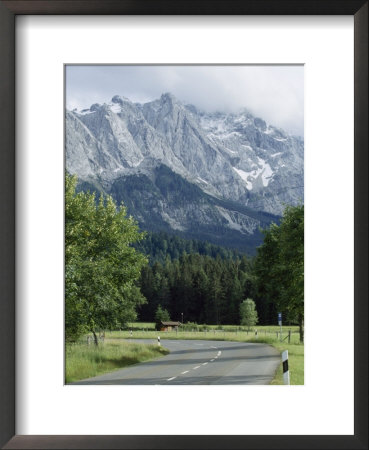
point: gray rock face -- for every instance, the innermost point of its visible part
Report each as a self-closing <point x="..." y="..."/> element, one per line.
<point x="236" y="157"/>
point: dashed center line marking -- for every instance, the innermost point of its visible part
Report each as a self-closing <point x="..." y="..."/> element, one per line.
<point x="198" y="367"/>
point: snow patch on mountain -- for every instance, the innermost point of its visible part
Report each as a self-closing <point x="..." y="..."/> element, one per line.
<point x="83" y="112"/>
<point x="115" y="107"/>
<point x="265" y="171"/>
<point x="245" y="176"/>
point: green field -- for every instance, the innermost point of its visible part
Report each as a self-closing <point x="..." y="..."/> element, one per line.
<point x="85" y="361"/>
<point x="209" y="332"/>
<point x="150" y="326"/>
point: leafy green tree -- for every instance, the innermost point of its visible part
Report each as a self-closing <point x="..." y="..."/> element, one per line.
<point x="279" y="266"/>
<point x="101" y="266"/>
<point x="161" y="315"/>
<point x="248" y="313"/>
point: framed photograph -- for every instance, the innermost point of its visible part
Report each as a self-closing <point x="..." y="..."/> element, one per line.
<point x="79" y="76"/>
<point x="201" y="175"/>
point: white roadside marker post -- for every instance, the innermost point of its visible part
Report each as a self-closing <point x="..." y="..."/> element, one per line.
<point x="159" y="341"/>
<point x="286" y="372"/>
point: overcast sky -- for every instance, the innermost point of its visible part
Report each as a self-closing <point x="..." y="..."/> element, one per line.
<point x="275" y="93"/>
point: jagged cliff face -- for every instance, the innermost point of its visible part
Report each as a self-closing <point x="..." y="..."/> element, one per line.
<point x="234" y="168"/>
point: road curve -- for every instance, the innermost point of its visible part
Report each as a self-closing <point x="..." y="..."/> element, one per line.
<point x="196" y="362"/>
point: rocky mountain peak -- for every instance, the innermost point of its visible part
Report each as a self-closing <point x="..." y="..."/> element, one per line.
<point x="236" y="157"/>
<point x="120" y="100"/>
<point x="167" y="97"/>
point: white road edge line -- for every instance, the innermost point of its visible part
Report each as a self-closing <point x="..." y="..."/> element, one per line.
<point x="197" y="367"/>
<point x="213" y="347"/>
<point x="186" y="371"/>
<point x="170" y="379"/>
<point x="212" y="359"/>
<point x="204" y="364"/>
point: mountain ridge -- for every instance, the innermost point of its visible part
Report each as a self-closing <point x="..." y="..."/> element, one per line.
<point x="234" y="167"/>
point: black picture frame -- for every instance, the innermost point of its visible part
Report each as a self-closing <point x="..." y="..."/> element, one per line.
<point x="8" y="11"/>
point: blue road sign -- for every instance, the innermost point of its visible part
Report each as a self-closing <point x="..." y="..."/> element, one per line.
<point x="279" y="319"/>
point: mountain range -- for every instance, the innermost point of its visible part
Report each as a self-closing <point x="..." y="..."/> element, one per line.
<point x="216" y="176"/>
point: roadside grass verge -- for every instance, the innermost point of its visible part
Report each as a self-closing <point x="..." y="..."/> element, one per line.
<point x="266" y="334"/>
<point x="85" y="361"/>
<point x="295" y="363"/>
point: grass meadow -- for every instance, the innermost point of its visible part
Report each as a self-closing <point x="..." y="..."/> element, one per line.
<point x="85" y="361"/>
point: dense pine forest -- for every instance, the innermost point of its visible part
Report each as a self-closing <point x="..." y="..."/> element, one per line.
<point x="205" y="282"/>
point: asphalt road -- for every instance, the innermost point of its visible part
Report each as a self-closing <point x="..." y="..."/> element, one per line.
<point x="193" y="362"/>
